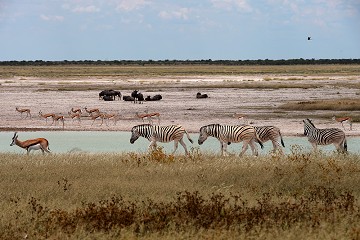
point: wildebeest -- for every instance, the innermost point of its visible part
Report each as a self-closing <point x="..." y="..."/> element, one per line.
<point x="137" y="96"/>
<point x="110" y="94"/>
<point x="199" y="95"/>
<point x="108" y="98"/>
<point x="154" y="98"/>
<point x="128" y="98"/>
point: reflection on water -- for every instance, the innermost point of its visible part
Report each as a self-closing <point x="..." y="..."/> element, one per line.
<point x="94" y="142"/>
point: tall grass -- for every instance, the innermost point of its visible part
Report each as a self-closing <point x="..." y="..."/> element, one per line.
<point x="156" y="195"/>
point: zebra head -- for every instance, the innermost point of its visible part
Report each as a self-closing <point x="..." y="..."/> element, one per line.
<point x="308" y="126"/>
<point x="135" y="134"/>
<point x="144" y="130"/>
<point x="203" y="135"/>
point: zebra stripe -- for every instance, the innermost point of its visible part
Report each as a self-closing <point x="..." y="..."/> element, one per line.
<point x="231" y="134"/>
<point x="325" y="136"/>
<point x="160" y="134"/>
<point x="266" y="133"/>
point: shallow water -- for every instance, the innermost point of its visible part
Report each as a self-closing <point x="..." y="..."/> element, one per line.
<point x="112" y="142"/>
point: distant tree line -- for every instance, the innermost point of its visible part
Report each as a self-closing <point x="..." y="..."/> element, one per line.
<point x="299" y="61"/>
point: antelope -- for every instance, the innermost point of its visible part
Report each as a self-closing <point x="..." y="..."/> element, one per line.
<point x="75" y="116"/>
<point x="91" y="111"/>
<point x="343" y="120"/>
<point x="109" y="116"/>
<point x="57" y="118"/>
<point x="97" y="116"/>
<point x="77" y="110"/>
<point x="46" y="116"/>
<point x="24" y="110"/>
<point x="148" y="116"/>
<point x="31" y="144"/>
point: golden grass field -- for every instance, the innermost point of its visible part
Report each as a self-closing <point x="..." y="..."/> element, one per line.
<point x="301" y="195"/>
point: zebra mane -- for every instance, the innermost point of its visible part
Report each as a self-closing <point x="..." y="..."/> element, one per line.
<point x="310" y="122"/>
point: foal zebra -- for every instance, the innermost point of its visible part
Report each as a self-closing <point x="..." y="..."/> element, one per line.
<point x="228" y="134"/>
<point x="160" y="134"/>
<point x="325" y="136"/>
<point x="266" y="133"/>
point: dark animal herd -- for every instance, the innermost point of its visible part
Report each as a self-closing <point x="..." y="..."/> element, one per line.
<point x="136" y="96"/>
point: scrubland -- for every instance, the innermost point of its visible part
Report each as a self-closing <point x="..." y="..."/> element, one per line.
<point x="201" y="196"/>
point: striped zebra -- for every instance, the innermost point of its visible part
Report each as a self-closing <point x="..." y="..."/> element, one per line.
<point x="266" y="133"/>
<point x="231" y="134"/>
<point x="325" y="136"/>
<point x="160" y="134"/>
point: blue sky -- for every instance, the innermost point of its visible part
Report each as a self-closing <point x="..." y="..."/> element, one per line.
<point x="178" y="29"/>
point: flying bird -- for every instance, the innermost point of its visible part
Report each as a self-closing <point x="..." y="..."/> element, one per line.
<point x="309" y="38"/>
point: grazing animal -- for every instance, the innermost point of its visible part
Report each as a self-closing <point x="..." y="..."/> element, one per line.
<point x="231" y="134"/>
<point x="148" y="116"/>
<point x="343" y="120"/>
<point x="199" y="95"/>
<point x="108" y="98"/>
<point x="110" y="94"/>
<point x="138" y="97"/>
<point x="46" y="116"/>
<point x="154" y="98"/>
<point x="325" y="136"/>
<point x="24" y="110"/>
<point x="77" y="110"/>
<point x="57" y="118"/>
<point x="31" y="144"/>
<point x="160" y="134"/>
<point x="128" y="98"/>
<point x="266" y="133"/>
<point x="74" y="116"/>
<point x="91" y="111"/>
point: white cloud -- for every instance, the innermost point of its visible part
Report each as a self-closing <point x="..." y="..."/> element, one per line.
<point x="130" y="5"/>
<point x="181" y="13"/>
<point x="229" y="5"/>
<point x="87" y="9"/>
<point x="51" y="18"/>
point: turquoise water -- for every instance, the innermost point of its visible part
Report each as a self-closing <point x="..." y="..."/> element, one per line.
<point x="111" y="142"/>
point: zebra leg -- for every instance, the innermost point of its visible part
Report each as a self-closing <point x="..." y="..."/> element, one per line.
<point x="184" y="146"/>
<point x="314" y="146"/>
<point x="176" y="143"/>
<point x="253" y="148"/>
<point x="244" y="147"/>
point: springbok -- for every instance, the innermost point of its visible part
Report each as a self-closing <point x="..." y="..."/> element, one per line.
<point x="24" y="110"/>
<point x="74" y="116"/>
<point x="91" y="111"/>
<point x="46" y="116"/>
<point x="76" y="110"/>
<point x="343" y="120"/>
<point x="148" y="116"/>
<point x="31" y="144"/>
<point x="60" y="118"/>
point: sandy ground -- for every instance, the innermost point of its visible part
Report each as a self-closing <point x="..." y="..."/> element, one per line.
<point x="178" y="106"/>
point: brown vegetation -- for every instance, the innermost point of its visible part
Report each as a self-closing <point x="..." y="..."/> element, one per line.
<point x="158" y="195"/>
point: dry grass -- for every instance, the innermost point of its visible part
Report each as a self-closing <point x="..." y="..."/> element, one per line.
<point x="100" y="71"/>
<point x="331" y="104"/>
<point x="156" y="195"/>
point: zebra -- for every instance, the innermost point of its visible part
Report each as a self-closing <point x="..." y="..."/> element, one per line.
<point x="227" y="134"/>
<point x="161" y="134"/>
<point x="266" y="133"/>
<point x="325" y="136"/>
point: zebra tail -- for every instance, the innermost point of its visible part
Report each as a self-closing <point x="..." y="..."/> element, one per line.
<point x="345" y="145"/>
<point x="281" y="139"/>
<point x="258" y="140"/>
<point x="188" y="136"/>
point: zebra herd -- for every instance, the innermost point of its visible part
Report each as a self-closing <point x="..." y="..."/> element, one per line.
<point x="249" y="135"/>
